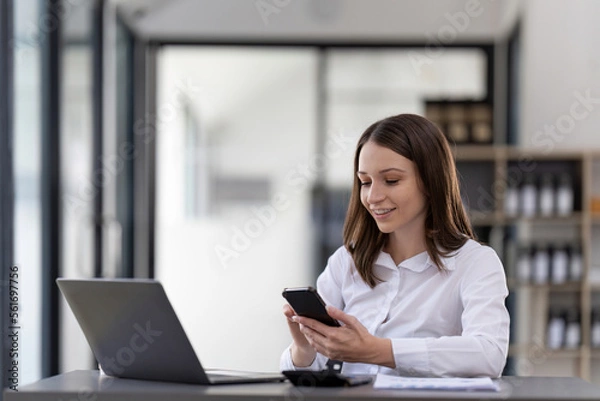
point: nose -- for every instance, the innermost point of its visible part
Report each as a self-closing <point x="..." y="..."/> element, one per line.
<point x="376" y="194"/>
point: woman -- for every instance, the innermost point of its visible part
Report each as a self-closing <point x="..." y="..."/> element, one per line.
<point x="415" y="293"/>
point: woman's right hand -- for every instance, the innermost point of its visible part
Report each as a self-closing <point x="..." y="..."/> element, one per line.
<point x="303" y="354"/>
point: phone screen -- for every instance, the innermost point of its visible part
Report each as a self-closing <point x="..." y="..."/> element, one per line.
<point x="306" y="302"/>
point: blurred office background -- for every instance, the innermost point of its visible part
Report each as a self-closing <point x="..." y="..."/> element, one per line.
<point x="209" y="144"/>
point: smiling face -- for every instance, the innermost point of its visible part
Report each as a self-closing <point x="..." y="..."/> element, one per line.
<point x="390" y="190"/>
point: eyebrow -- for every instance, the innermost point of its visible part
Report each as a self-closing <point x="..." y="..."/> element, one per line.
<point x="387" y="170"/>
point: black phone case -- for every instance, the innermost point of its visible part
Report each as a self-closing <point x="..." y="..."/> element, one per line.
<point x="324" y="378"/>
<point x="306" y="302"/>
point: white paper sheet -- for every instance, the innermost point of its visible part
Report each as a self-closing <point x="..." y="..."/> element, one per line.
<point x="428" y="383"/>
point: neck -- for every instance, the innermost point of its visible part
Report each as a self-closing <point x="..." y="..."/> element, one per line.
<point x="402" y="247"/>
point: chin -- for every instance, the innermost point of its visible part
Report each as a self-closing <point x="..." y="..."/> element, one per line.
<point x="385" y="229"/>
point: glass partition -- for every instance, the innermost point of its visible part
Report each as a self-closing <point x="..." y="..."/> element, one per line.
<point x="27" y="157"/>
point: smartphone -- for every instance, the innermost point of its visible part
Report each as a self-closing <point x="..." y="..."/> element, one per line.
<point x="307" y="302"/>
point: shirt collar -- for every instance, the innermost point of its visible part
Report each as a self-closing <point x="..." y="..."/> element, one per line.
<point x="417" y="263"/>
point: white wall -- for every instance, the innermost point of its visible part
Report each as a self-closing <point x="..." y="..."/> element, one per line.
<point x="561" y="58"/>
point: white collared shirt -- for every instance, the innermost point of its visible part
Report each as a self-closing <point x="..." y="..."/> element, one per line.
<point x="451" y="323"/>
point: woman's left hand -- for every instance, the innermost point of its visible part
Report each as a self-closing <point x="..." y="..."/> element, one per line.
<point x="350" y="343"/>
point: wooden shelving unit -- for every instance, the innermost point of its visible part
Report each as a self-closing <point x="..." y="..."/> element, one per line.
<point x="485" y="201"/>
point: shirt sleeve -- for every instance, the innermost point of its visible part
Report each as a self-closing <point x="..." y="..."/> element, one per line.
<point x="286" y="363"/>
<point x="329" y="288"/>
<point x="482" y="347"/>
<point x="329" y="283"/>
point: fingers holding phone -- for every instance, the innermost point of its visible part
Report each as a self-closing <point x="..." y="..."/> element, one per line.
<point x="297" y="335"/>
<point x="289" y="313"/>
<point x="306" y="302"/>
<point x="303" y="354"/>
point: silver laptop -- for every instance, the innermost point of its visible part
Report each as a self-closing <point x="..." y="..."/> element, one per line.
<point x="134" y="333"/>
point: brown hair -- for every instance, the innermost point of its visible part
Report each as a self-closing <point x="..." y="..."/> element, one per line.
<point x="447" y="226"/>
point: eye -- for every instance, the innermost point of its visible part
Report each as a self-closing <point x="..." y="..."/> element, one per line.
<point x="391" y="182"/>
<point x="362" y="184"/>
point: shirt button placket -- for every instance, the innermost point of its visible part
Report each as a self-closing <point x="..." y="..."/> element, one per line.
<point x="390" y="294"/>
